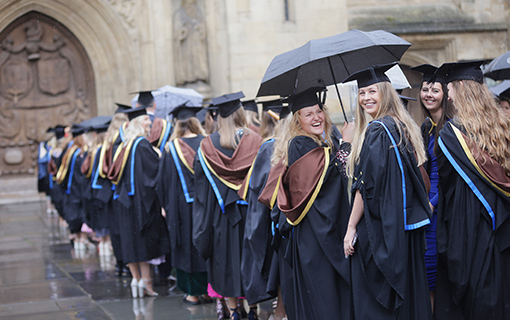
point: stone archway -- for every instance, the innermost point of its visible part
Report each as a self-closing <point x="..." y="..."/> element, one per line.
<point x="46" y="79"/>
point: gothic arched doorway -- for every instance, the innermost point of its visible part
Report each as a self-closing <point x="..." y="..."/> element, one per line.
<point x="46" y="79"/>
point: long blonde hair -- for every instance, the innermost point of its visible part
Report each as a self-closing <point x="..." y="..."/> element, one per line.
<point x="485" y="123"/>
<point x="135" y="128"/>
<point x="292" y="128"/>
<point x="390" y="104"/>
<point x="117" y="120"/>
<point x="227" y="128"/>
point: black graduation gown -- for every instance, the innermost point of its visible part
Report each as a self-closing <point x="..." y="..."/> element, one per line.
<point x="56" y="191"/>
<point x="100" y="195"/>
<point x="388" y="269"/>
<point x="316" y="286"/>
<point x="257" y="252"/>
<point x="143" y="231"/>
<point x="178" y="208"/>
<point x="473" y="247"/>
<point x="218" y="236"/>
<point x="73" y="208"/>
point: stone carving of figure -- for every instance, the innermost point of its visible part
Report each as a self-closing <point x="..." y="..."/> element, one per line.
<point x="190" y="42"/>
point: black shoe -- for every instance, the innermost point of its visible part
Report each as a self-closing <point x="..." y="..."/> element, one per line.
<point x="119" y="268"/>
<point x="235" y="315"/>
<point x="205" y="300"/>
<point x="193" y="303"/>
<point x="252" y="315"/>
<point x="126" y="272"/>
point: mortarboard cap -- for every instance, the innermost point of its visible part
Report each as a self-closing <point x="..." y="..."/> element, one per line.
<point x="462" y="70"/>
<point x="58" y="130"/>
<point x="228" y="103"/>
<point x="184" y="112"/>
<point x="307" y="98"/>
<point x="77" y="130"/>
<point x="250" y="105"/>
<point x="371" y="75"/>
<point x="145" y="98"/>
<point x="427" y="70"/>
<point x="96" y="121"/>
<point x="135" y="112"/>
<point x="121" y="107"/>
<point x="271" y="104"/>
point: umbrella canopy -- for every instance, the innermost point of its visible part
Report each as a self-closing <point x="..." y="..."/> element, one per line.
<point x="502" y="89"/>
<point x="167" y="98"/>
<point x="330" y="60"/>
<point x="499" y="68"/>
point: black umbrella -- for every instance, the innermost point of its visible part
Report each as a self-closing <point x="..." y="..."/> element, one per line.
<point x="499" y="68"/>
<point x="502" y="89"/>
<point x="330" y="60"/>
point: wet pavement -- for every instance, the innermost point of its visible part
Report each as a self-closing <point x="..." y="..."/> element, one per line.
<point x="42" y="277"/>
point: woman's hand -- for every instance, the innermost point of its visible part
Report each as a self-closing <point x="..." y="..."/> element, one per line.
<point x="348" y="241"/>
<point x="431" y="207"/>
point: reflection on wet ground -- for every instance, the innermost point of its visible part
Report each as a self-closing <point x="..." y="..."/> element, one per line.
<point x="42" y="277"/>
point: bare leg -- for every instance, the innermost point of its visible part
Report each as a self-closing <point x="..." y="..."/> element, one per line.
<point x="279" y="311"/>
<point x="134" y="268"/>
<point x="232" y="304"/>
<point x="145" y="268"/>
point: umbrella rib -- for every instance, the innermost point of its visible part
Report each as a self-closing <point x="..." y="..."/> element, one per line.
<point x="336" y="87"/>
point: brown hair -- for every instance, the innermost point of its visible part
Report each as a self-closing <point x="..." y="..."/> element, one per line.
<point x="484" y="122"/>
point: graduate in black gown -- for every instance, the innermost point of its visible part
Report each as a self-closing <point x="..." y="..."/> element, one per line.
<point x="313" y="200"/>
<point x="97" y="191"/>
<point x="176" y="191"/>
<point x="103" y="187"/>
<point x="56" y="153"/>
<point x="385" y="236"/>
<point x="71" y="179"/>
<point x="435" y="106"/>
<point x="473" y="225"/>
<point x="143" y="231"/>
<point x="221" y="165"/>
<point x="257" y="250"/>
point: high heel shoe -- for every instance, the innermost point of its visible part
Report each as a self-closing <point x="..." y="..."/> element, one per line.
<point x="252" y="315"/>
<point x="134" y="288"/>
<point x="235" y="315"/>
<point x="142" y="288"/>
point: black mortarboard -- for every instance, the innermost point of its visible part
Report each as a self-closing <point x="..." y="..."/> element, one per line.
<point x="122" y="107"/>
<point x="136" y="112"/>
<point x="428" y="71"/>
<point x="228" y="103"/>
<point x="250" y="105"/>
<point x="184" y="112"/>
<point x="96" y="121"/>
<point x="213" y="110"/>
<point x="371" y="75"/>
<point x="145" y="98"/>
<point x="281" y="110"/>
<point x="77" y="130"/>
<point x="307" y="98"/>
<point x="271" y="104"/>
<point x="58" y="130"/>
<point x="462" y="70"/>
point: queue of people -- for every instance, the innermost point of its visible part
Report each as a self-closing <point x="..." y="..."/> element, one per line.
<point x="386" y="222"/>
